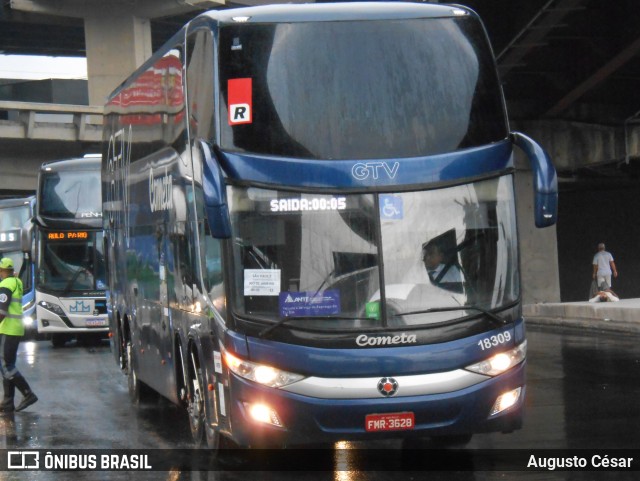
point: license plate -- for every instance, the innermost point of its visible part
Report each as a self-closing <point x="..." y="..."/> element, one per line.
<point x="95" y="322"/>
<point x="389" y="422"/>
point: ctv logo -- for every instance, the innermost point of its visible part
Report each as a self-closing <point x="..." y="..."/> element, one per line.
<point x="23" y="460"/>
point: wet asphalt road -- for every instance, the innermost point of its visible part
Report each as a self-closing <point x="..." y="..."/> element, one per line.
<point x="582" y="393"/>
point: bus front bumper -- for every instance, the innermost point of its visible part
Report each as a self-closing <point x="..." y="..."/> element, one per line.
<point x="50" y="323"/>
<point x="306" y="420"/>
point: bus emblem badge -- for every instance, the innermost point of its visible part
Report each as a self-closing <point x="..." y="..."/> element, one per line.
<point x="387" y="386"/>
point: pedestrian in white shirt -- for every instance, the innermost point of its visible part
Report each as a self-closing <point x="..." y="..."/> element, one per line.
<point x="603" y="266"/>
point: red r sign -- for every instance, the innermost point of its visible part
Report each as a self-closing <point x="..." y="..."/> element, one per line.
<point x="240" y="101"/>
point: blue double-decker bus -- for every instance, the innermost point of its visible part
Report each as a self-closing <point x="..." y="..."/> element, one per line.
<point x="310" y="226"/>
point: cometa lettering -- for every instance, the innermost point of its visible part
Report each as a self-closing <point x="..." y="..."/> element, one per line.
<point x="404" y="338"/>
<point x="160" y="191"/>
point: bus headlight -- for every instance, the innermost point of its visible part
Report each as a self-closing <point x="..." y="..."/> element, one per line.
<point x="260" y="373"/>
<point x="262" y="413"/>
<point x="50" y="306"/>
<point x="505" y="401"/>
<point x="501" y="362"/>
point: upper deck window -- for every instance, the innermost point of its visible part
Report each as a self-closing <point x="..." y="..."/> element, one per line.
<point x="359" y="89"/>
<point x="70" y="194"/>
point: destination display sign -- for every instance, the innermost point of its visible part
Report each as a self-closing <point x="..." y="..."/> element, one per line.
<point x="68" y="235"/>
<point x="10" y="236"/>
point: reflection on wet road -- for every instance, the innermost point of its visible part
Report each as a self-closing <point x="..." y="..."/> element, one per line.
<point x="582" y="393"/>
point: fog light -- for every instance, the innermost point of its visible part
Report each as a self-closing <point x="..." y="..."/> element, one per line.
<point x="505" y="401"/>
<point x="263" y="414"/>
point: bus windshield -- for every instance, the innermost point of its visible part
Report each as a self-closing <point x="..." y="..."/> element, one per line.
<point x="319" y="257"/>
<point x="70" y="194"/>
<point x="70" y="265"/>
<point x="12" y="219"/>
<point x="376" y="89"/>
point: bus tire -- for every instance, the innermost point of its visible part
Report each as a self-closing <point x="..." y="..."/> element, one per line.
<point x="202" y="433"/>
<point x="195" y="401"/>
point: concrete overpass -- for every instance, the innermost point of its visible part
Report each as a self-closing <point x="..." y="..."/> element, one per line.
<point x="570" y="69"/>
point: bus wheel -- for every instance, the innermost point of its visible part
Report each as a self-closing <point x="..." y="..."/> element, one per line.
<point x="195" y="402"/>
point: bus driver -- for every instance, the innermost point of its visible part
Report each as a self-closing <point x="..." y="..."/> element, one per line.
<point x="445" y="274"/>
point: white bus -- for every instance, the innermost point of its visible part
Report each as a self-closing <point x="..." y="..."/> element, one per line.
<point x="70" y="267"/>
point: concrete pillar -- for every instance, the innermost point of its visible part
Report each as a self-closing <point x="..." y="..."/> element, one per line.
<point x="538" y="248"/>
<point x="117" y="44"/>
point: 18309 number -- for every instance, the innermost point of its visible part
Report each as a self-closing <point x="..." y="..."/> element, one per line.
<point x="493" y="341"/>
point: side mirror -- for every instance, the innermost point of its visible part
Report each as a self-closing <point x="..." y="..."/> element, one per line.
<point x="26" y="239"/>
<point x="545" y="180"/>
<point x="215" y="195"/>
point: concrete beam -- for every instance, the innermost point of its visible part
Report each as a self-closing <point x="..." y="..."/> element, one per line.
<point x="596" y="78"/>
<point x="572" y="145"/>
<point x="51" y="122"/>
<point x="548" y="18"/>
<point x="117" y="33"/>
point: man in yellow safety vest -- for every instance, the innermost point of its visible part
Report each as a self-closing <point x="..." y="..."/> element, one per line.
<point x="11" y="332"/>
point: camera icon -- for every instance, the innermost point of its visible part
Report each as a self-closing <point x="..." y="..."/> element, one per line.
<point x="23" y="460"/>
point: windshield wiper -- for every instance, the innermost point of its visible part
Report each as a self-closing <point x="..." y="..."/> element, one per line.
<point x="284" y="320"/>
<point x="74" y="278"/>
<point x="500" y="321"/>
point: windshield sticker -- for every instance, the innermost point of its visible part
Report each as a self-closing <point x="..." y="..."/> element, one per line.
<point x="294" y="304"/>
<point x="261" y="282"/>
<point x="316" y="203"/>
<point x="240" y="101"/>
<point x="391" y="207"/>
<point x="372" y="310"/>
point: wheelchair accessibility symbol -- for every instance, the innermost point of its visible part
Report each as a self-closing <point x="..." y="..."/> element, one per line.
<point x="391" y="207"/>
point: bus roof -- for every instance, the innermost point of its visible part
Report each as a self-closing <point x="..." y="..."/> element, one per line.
<point x="16" y="202"/>
<point x="308" y="12"/>
<point x="326" y="12"/>
<point x="72" y="164"/>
